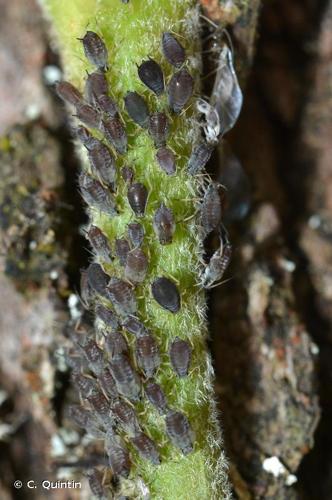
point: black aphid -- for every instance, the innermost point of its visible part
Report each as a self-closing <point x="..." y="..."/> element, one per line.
<point x="156" y="397"/>
<point x="134" y="326"/>
<point x="69" y="93"/>
<point x="101" y="406"/>
<point x="95" y="195"/>
<point x="95" y="86"/>
<point x="94" y="355"/>
<point x="122" y="248"/>
<point x="165" y="292"/>
<point x="115" y="344"/>
<point x="107" y="105"/>
<point x="147" y="354"/>
<point x="102" y="161"/>
<point x="180" y="356"/>
<point x="99" y="243"/>
<point x="217" y="265"/>
<point x="86" y="385"/>
<point x="166" y="160"/>
<point x="127" y="174"/>
<point x="173" y="50"/>
<point x="107" y="383"/>
<point x="95" y="478"/>
<point x="179" y="431"/>
<point x="118" y="455"/>
<point x="137" y="198"/>
<point x="98" y="279"/>
<point x="126" y="379"/>
<point x="211" y="210"/>
<point x="146" y="448"/>
<point x="88" y="115"/>
<point x="137" y="108"/>
<point x="180" y="90"/>
<point x="158" y="128"/>
<point x="107" y="316"/>
<point x="163" y="224"/>
<point x="122" y="297"/>
<point x="95" y="50"/>
<point x="151" y="74"/>
<point x="136" y="234"/>
<point x="136" y="266"/>
<point x="199" y="157"/>
<point x="125" y="416"/>
<point x="115" y="134"/>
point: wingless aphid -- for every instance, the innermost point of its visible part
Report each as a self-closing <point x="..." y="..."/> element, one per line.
<point x="199" y="157"/>
<point x="165" y="292"/>
<point x="101" y="406"/>
<point x="180" y="90"/>
<point x="158" y="128"/>
<point x="107" y="316"/>
<point x="164" y="224"/>
<point x="115" y="134"/>
<point x="146" y="448"/>
<point x="95" y="50"/>
<point x="99" y="243"/>
<point x="126" y="379"/>
<point x="125" y="416"/>
<point x="98" y="279"/>
<point x="134" y="325"/>
<point x="137" y="108"/>
<point x="179" y="431"/>
<point x="95" y="478"/>
<point x="180" y="356"/>
<point x="166" y="160"/>
<point x="103" y="163"/>
<point x="119" y="459"/>
<point x="147" y="354"/>
<point x="156" y="397"/>
<point x="122" y="248"/>
<point x="135" y="234"/>
<point x="94" y="194"/>
<point x="217" y="265"/>
<point x="95" y="86"/>
<point x="136" y="266"/>
<point x="173" y="50"/>
<point x="151" y="74"/>
<point x="211" y="209"/>
<point x="115" y="344"/>
<point x="137" y="198"/>
<point x="88" y="115"/>
<point x="68" y="93"/>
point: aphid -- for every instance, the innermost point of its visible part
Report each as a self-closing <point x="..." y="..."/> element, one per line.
<point x="115" y="134"/>
<point x="127" y="174"/>
<point x="94" y="355"/>
<point x="88" y="115"/>
<point x="180" y="90"/>
<point x="126" y="379"/>
<point x="87" y="294"/>
<point x="99" y="243"/>
<point x="68" y="93"/>
<point x="103" y="163"/>
<point x="136" y="234"/>
<point x="166" y="160"/>
<point x="98" y="279"/>
<point x="136" y="266"/>
<point x="122" y="296"/>
<point x="134" y="326"/>
<point x="137" y="108"/>
<point x="86" y="385"/>
<point x="122" y="249"/>
<point x="107" y="316"/>
<point x="211" y="209"/>
<point x="180" y="356"/>
<point x="137" y="198"/>
<point x="199" y="157"/>
<point x="217" y="266"/>
<point x="118" y="455"/>
<point x="147" y="354"/>
<point x="125" y="416"/>
<point x="107" y="105"/>
<point x="83" y="418"/>
<point x="101" y="406"/>
<point x="95" y="50"/>
<point x="95" y="478"/>
<point x="74" y="361"/>
<point x="86" y="137"/>
<point x="179" y="431"/>
<point x="173" y="50"/>
<point x="115" y="344"/>
<point x="158" y="128"/>
<point x="151" y="74"/>
<point x="95" y="85"/>
<point x="146" y="447"/>
<point x="94" y="194"/>
<point x="107" y="383"/>
<point x="165" y="292"/>
<point x="156" y="397"/>
<point x="163" y="224"/>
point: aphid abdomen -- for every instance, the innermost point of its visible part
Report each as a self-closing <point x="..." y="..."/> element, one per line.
<point x="136" y="266"/>
<point x="95" y="86"/>
<point x="125" y="416"/>
<point x="101" y="406"/>
<point x="99" y="243"/>
<point x="137" y="108"/>
<point x="137" y="198"/>
<point x="211" y="209"/>
<point x="151" y="74"/>
<point x="146" y="448"/>
<point x="115" y="134"/>
<point x="98" y="279"/>
<point x="164" y="225"/>
<point x="199" y="157"/>
<point x="134" y="326"/>
<point x="107" y="383"/>
<point x="179" y="431"/>
<point x="156" y="397"/>
<point x="115" y="344"/>
<point x="107" y="105"/>
<point x="122" y="249"/>
<point x="158" y="128"/>
<point x="126" y="379"/>
<point x="107" y="316"/>
<point x="88" y="115"/>
<point x="147" y="354"/>
<point x="94" y="194"/>
<point x="165" y="292"/>
<point x="118" y="455"/>
<point x="95" y="50"/>
<point x="136" y="234"/>
<point x="166" y="160"/>
<point x="122" y="296"/>
<point x="180" y="90"/>
<point x="103" y="163"/>
<point x="94" y="355"/>
<point x="69" y="93"/>
<point x="173" y="50"/>
<point x="180" y="356"/>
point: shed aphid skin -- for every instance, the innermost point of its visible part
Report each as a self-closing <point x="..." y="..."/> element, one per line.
<point x="107" y="383"/>
<point x="179" y="431"/>
<point x="95" y="85"/>
<point x="217" y="265"/>
<point x="158" y="128"/>
<point x="180" y="356"/>
<point x="180" y="90"/>
<point x="95" y="50"/>
<point x="147" y="354"/>
<point x="136" y="266"/>
<point x="137" y="108"/>
<point x="69" y="93"/>
<point x="101" y="406"/>
<point x="137" y="198"/>
<point x="164" y="224"/>
<point x="173" y="50"/>
<point x="95" y="478"/>
<point x="95" y="195"/>
<point x="166" y="293"/>
<point x="135" y="234"/>
<point x="122" y="249"/>
<point x="146" y="448"/>
<point x="211" y="210"/>
<point x="156" y="396"/>
<point x="99" y="243"/>
<point x="98" y="279"/>
<point x="211" y="124"/>
<point x="151" y="74"/>
<point x="94" y="356"/>
<point x="125" y="416"/>
<point x="122" y="297"/>
<point x="118" y="455"/>
<point x="126" y="379"/>
<point x="134" y="326"/>
<point x="108" y="316"/>
<point x="127" y="174"/>
<point x="103" y="163"/>
<point x="115" y="344"/>
<point x="199" y="157"/>
<point x="88" y="115"/>
<point x="115" y="134"/>
<point x="166" y="160"/>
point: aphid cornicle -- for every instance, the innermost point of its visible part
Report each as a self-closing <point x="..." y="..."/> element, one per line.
<point x="147" y="354"/>
<point x="180" y="356"/>
<point x="101" y="406"/>
<point x="107" y="383"/>
<point x="98" y="279"/>
<point x="136" y="234"/>
<point x="94" y="355"/>
<point x="166" y="160"/>
<point x="125" y="416"/>
<point x="173" y="50"/>
<point x="217" y="265"/>
<point x="69" y="93"/>
<point x="122" y="297"/>
<point x="158" y="128"/>
<point x="126" y="379"/>
<point x="180" y="90"/>
<point x="137" y="198"/>
<point x="95" y="50"/>
<point x="95" y="85"/>
<point x="151" y="74"/>
<point x="211" y="209"/>
<point x="88" y="115"/>
<point x="122" y="248"/>
<point x="99" y="243"/>
<point x="164" y="225"/>
<point x="156" y="397"/>
<point x="115" y="134"/>
<point x="107" y="316"/>
<point x="95" y="478"/>
<point x="165" y="292"/>
<point x="199" y="157"/>
<point x="94" y="194"/>
<point x="102" y="161"/>
<point x="136" y="266"/>
<point x="179" y="431"/>
<point x="127" y="174"/>
<point x="115" y="344"/>
<point x="134" y="326"/>
<point x="118" y="455"/>
<point x="137" y="108"/>
<point x="146" y="447"/>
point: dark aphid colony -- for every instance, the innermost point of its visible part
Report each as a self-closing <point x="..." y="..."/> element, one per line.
<point x="98" y="279"/>
<point x="180" y="90"/>
<point x="137" y="198"/>
<point x="137" y="108"/>
<point x="147" y="354"/>
<point x="179" y="431"/>
<point x="122" y="248"/>
<point x="118" y="454"/>
<point x="115" y="134"/>
<point x="95" y="50"/>
<point x="180" y="356"/>
<point x="164" y="225"/>
<point x="103" y="163"/>
<point x="126" y="379"/>
<point x="199" y="157"/>
<point x="68" y="93"/>
<point x="136" y="266"/>
<point x="211" y="210"/>
<point x="135" y="234"/>
<point x="146" y="448"/>
<point x="88" y="115"/>
<point x="173" y="50"/>
<point x="156" y="397"/>
<point x="167" y="295"/>
<point x="122" y="296"/>
<point x="158" y="128"/>
<point x="96" y="195"/>
<point x="99" y="243"/>
<point x="151" y="74"/>
<point x="166" y="160"/>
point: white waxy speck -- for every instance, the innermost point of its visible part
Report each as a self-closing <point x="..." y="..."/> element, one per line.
<point x="52" y="74"/>
<point x="273" y="466"/>
<point x="314" y="221"/>
<point x="73" y="301"/>
<point x="54" y="275"/>
<point x="32" y="111"/>
<point x="290" y="480"/>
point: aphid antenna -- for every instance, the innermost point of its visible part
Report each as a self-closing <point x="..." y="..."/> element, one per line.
<point x="218" y="284"/>
<point x="223" y="31"/>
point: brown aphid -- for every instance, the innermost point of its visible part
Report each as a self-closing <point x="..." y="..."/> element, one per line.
<point x="179" y="431"/>
<point x="103" y="162"/>
<point x="126" y="379"/>
<point x="146" y="448"/>
<point x="166" y="160"/>
<point x="96" y="195"/>
<point x="151" y="74"/>
<point x="180" y="90"/>
<point x="98" y="279"/>
<point x="85" y="384"/>
<point x="107" y="316"/>
<point x="127" y="174"/>
<point x="137" y="198"/>
<point x="122" y="249"/>
<point x="173" y="50"/>
<point x="95" y="478"/>
<point x="115" y="344"/>
<point x="94" y="355"/>
<point x="122" y="297"/>
<point x="125" y="416"/>
<point x="99" y="243"/>
<point x="163" y="224"/>
<point x="136" y="266"/>
<point x="147" y="354"/>
<point x="95" y="50"/>
<point x="199" y="157"/>
<point x="211" y="210"/>
<point x="137" y="108"/>
<point x="115" y="134"/>
<point x="101" y="406"/>
<point x="134" y="326"/>
<point x="136" y="234"/>
<point x="180" y="356"/>
<point x="88" y="115"/>
<point x="158" y="128"/>
<point x="107" y="383"/>
<point x="86" y="292"/>
<point x="165" y="292"/>
<point x="69" y="93"/>
<point x="118" y="455"/>
<point x="95" y="86"/>
<point x="107" y="105"/>
<point x="156" y="397"/>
